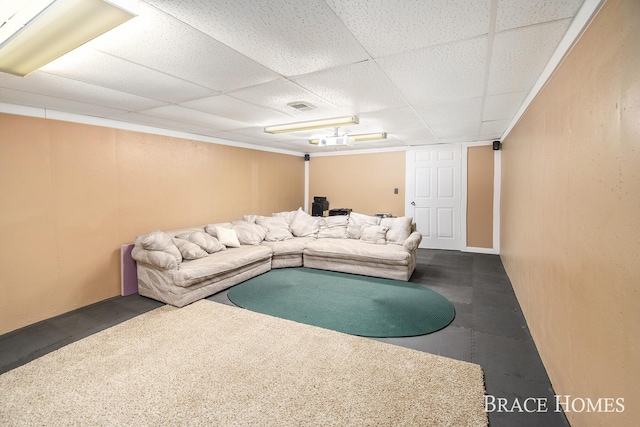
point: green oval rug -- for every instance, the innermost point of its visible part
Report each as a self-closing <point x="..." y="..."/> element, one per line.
<point x="356" y="305"/>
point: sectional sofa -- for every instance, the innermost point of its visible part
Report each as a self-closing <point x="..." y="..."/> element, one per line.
<point x="181" y="266"/>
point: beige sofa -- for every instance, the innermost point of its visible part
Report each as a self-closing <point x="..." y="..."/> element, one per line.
<point x="179" y="267"/>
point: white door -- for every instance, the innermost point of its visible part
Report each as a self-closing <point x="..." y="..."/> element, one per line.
<point x="434" y="194"/>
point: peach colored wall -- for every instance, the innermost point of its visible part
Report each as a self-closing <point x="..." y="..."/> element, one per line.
<point x="480" y="197"/>
<point x="73" y="193"/>
<point x="570" y="217"/>
<point x="362" y="182"/>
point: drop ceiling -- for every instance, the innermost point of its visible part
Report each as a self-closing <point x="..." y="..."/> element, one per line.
<point x="425" y="72"/>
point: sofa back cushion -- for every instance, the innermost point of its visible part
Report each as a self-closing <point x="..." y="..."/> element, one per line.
<point x="399" y="229"/>
<point x="249" y="233"/>
<point x="374" y="234"/>
<point x="356" y="221"/>
<point x="188" y="249"/>
<point x="205" y="241"/>
<point x="277" y="228"/>
<point x="333" y="227"/>
<point x="304" y="225"/>
<point x="159" y="241"/>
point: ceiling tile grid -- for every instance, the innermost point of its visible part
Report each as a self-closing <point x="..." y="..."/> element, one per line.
<point x="386" y="27"/>
<point x="355" y="88"/>
<point x="59" y="87"/>
<point x="159" y="41"/>
<point x="291" y="37"/>
<point x="236" y="109"/>
<point x="522" y="13"/>
<point x="277" y="94"/>
<point x="97" y="68"/>
<point x="425" y="72"/>
<point x="439" y="73"/>
<point x="520" y="55"/>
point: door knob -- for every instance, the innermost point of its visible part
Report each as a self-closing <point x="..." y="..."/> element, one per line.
<point x="413" y="203"/>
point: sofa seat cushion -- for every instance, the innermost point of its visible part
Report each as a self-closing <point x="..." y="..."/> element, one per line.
<point x="194" y="271"/>
<point x="357" y="251"/>
<point x="289" y="246"/>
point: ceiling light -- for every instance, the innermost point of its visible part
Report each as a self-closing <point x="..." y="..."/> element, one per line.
<point x="39" y="31"/>
<point x="359" y="137"/>
<point x="313" y="124"/>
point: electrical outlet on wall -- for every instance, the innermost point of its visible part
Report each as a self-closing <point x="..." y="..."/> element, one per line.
<point x="395" y="191"/>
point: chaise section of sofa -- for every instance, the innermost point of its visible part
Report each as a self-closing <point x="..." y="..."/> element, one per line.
<point x="187" y="280"/>
<point x="352" y="256"/>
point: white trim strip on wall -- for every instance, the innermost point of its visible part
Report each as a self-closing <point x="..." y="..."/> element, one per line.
<point x="580" y="22"/>
<point x="497" y="192"/>
<point x="496" y="200"/>
<point x="46" y="113"/>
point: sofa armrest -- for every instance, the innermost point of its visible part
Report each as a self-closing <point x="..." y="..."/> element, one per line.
<point x="157" y="259"/>
<point x="413" y="241"/>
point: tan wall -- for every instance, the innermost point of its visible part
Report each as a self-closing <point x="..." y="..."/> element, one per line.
<point x="72" y="194"/>
<point x="362" y="182"/>
<point x="570" y="217"/>
<point x="480" y="196"/>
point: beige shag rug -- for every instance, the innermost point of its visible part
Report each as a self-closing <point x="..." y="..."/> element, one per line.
<point x="209" y="364"/>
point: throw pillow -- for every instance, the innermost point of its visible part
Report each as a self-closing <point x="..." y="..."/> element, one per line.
<point x="356" y="221"/>
<point x="207" y="242"/>
<point x="288" y="215"/>
<point x="188" y="249"/>
<point x="333" y="227"/>
<point x="249" y="233"/>
<point x="304" y="225"/>
<point x="399" y="229"/>
<point x="374" y="234"/>
<point x="227" y="236"/>
<point x="277" y="228"/>
<point x="211" y="228"/>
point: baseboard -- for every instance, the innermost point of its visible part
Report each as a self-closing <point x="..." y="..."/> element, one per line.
<point x="490" y="251"/>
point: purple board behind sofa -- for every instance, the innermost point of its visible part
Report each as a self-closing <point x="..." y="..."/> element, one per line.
<point x="128" y="271"/>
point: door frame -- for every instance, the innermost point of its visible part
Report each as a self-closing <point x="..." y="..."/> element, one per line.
<point x="497" y="168"/>
<point x="410" y="174"/>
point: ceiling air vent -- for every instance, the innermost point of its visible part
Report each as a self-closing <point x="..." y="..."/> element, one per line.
<point x="301" y="106"/>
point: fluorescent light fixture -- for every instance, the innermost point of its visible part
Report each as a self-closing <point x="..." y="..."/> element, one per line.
<point x="38" y="31"/>
<point x="359" y="137"/>
<point x="313" y="124"/>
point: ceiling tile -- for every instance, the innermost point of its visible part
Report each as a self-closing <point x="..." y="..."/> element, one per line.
<point x="291" y="38"/>
<point x="386" y="27"/>
<point x="351" y="87"/>
<point x="503" y="106"/>
<point x="73" y="90"/>
<point x="236" y="109"/>
<point x="157" y="40"/>
<point x="42" y="101"/>
<point x="494" y="127"/>
<point x="414" y="136"/>
<point x="440" y="73"/>
<point x="519" y="56"/>
<point x="392" y="120"/>
<point x="258" y="133"/>
<point x="101" y="69"/>
<point x="276" y="95"/>
<point x="459" y="111"/>
<point x="458" y="131"/>
<point x="163" y="123"/>
<point x="234" y="135"/>
<point x="187" y="115"/>
<point x="521" y="13"/>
